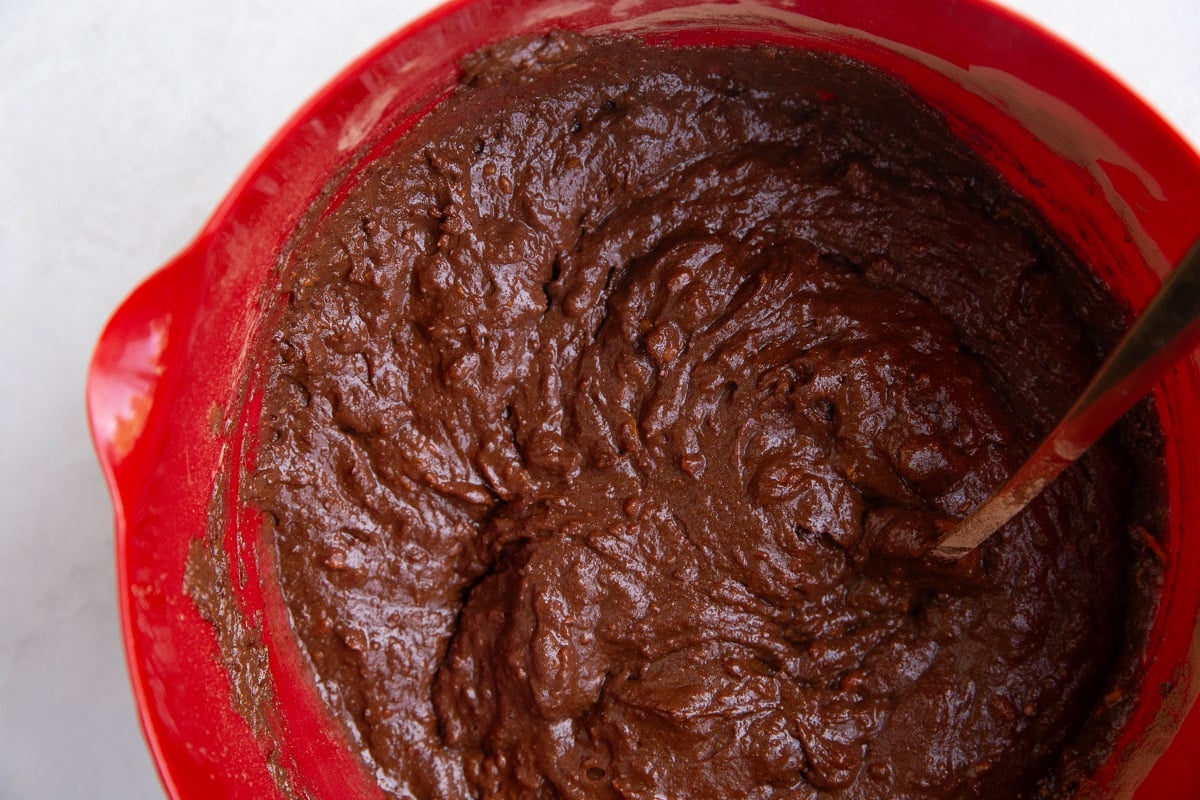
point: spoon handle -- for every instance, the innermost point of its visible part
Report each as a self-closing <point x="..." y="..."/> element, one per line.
<point x="1164" y="332"/>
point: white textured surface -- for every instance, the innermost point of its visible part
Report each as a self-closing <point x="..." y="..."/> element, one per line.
<point x="122" y="123"/>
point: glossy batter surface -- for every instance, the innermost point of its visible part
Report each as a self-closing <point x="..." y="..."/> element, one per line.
<point x="611" y="414"/>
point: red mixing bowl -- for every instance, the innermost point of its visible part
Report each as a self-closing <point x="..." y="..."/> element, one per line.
<point x="171" y="408"/>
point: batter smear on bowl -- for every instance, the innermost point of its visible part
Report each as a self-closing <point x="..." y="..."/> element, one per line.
<point x="612" y="413"/>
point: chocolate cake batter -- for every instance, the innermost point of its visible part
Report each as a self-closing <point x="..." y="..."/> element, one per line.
<point x="611" y="416"/>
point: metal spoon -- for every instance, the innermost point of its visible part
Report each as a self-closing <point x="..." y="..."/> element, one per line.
<point x="1167" y="330"/>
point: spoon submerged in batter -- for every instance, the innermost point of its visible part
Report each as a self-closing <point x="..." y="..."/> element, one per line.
<point x="1166" y="331"/>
